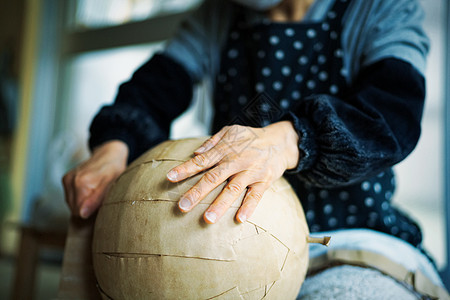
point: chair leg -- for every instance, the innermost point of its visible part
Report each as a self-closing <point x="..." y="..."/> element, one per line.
<point x="26" y="261"/>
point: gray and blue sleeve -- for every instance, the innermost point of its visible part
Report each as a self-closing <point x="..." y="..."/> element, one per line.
<point x="197" y="43"/>
<point x="376" y="30"/>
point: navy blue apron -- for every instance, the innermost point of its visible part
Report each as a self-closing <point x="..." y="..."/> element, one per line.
<point x="266" y="70"/>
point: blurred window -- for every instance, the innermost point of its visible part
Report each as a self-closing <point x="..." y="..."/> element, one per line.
<point x="103" y="13"/>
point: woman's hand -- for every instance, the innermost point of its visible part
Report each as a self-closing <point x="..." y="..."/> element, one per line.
<point x="247" y="157"/>
<point x="86" y="185"/>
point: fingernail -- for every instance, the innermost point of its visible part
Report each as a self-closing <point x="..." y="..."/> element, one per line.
<point x="211" y="216"/>
<point x="84" y="212"/>
<point x="200" y="150"/>
<point x="172" y="175"/>
<point x="184" y="204"/>
<point x="242" y="218"/>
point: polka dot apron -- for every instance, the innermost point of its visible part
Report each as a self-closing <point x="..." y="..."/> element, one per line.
<point x="266" y="70"/>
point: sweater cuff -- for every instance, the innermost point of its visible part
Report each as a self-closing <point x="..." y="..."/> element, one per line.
<point x="120" y="134"/>
<point x="306" y="143"/>
<point x="122" y="122"/>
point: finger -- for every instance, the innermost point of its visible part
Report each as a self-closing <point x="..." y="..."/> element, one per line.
<point x="196" y="165"/>
<point x="85" y="201"/>
<point x="76" y="192"/>
<point x="209" y="181"/>
<point x="252" y="198"/>
<point x="93" y="202"/>
<point x="67" y="182"/>
<point x="212" y="141"/>
<point x="231" y="192"/>
<point x="84" y="190"/>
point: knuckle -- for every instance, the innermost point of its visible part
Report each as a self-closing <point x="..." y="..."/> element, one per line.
<point x="211" y="144"/>
<point x="211" y="177"/>
<point x="233" y="129"/>
<point x="256" y="195"/>
<point x="200" y="161"/>
<point x="207" y="145"/>
<point x="234" y="188"/>
<point x="81" y="180"/>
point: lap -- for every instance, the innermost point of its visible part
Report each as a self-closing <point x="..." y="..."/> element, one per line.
<point x="362" y="263"/>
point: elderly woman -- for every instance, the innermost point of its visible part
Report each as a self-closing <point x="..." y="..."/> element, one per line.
<point x="328" y="93"/>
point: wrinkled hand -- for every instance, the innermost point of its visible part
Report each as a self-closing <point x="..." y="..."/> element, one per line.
<point x="86" y="185"/>
<point x="249" y="158"/>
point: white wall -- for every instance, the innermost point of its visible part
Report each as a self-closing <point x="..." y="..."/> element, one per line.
<point x="93" y="79"/>
<point x="420" y="177"/>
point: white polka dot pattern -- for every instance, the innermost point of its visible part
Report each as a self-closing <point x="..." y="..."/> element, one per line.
<point x="266" y="72"/>
<point x="289" y="63"/>
<point x="289" y="32"/>
<point x="298" y="45"/>
<point x="373" y="211"/>
<point x="286" y="71"/>
<point x="311" y="33"/>
<point x="274" y="40"/>
<point x="259" y="87"/>
<point x="295" y="95"/>
<point x="233" y="53"/>
<point x="279" y="54"/>
<point x="284" y="103"/>
<point x="277" y="85"/>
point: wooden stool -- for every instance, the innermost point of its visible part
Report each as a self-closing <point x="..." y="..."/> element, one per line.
<point x="31" y="241"/>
